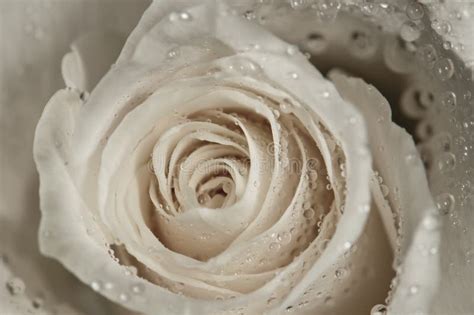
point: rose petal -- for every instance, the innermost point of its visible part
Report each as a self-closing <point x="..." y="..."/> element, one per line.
<point x="90" y="58"/>
<point x="38" y="34"/>
<point x="398" y="163"/>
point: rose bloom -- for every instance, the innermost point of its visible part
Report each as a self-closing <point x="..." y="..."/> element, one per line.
<point x="237" y="157"/>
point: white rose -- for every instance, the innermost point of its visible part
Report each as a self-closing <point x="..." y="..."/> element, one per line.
<point x="214" y="170"/>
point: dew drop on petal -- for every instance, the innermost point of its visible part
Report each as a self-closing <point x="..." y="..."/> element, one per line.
<point x="445" y="203"/>
<point x="274" y="246"/>
<point x="298" y="4"/>
<point x="138" y="288"/>
<point x="428" y="55"/>
<point x="378" y="309"/>
<point x="249" y="15"/>
<point x="308" y="213"/>
<point x="340" y="273"/>
<point x="415" y="10"/>
<point x="364" y="208"/>
<point x="108" y="285"/>
<point x="37" y="302"/>
<point x="449" y="100"/>
<point x="96" y="285"/>
<point x="316" y="43"/>
<point x="293" y="75"/>
<point x="185" y="16"/>
<point x="124" y="297"/>
<point x="431" y="223"/>
<point x="172" y="53"/>
<point x="284" y="237"/>
<point x="16" y="286"/>
<point x="410" y="31"/>
<point x="291" y="50"/>
<point x="362" y="44"/>
<point x="412" y="290"/>
<point x="447" y="45"/>
<point x="444" y="69"/>
<point x="446" y="162"/>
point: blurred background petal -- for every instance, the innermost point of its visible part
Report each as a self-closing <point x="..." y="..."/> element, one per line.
<point x="34" y="37"/>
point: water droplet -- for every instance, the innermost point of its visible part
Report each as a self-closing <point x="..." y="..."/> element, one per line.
<point x="410" y="31"/>
<point x="96" y="285"/>
<point x="130" y="270"/>
<point x="428" y="55"/>
<point x="284" y="237"/>
<point x="274" y="246"/>
<point x="445" y="203"/>
<point x="412" y="290"/>
<point x="37" y="302"/>
<point x="328" y="9"/>
<point x="293" y="75"/>
<point x="316" y="43"/>
<point x="340" y="273"/>
<point x="138" y="288"/>
<point x="443" y="142"/>
<point x="285" y="107"/>
<point x="185" y="16"/>
<point x="16" y="286"/>
<point x="308" y="213"/>
<point x="449" y="100"/>
<point x="364" y="208"/>
<point x="204" y="199"/>
<point x="447" y="45"/>
<point x="109" y="286"/>
<point x="124" y="297"/>
<point x="379" y="309"/>
<point x="410" y="158"/>
<point x="173" y="53"/>
<point x="363" y="44"/>
<point x="249" y="15"/>
<point x="415" y="10"/>
<point x="444" y="69"/>
<point x="298" y="4"/>
<point x="431" y="223"/>
<point x="441" y="27"/>
<point x="291" y="50"/>
<point x="446" y="162"/>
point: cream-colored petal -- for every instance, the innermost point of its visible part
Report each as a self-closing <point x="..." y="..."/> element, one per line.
<point x="403" y="174"/>
<point x="90" y="59"/>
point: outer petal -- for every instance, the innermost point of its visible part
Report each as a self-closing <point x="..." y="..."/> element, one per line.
<point x="396" y="159"/>
<point x="35" y="35"/>
<point x="90" y="58"/>
<point x="454" y="22"/>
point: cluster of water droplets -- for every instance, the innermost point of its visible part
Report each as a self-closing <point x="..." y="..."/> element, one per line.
<point x="16" y="287"/>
